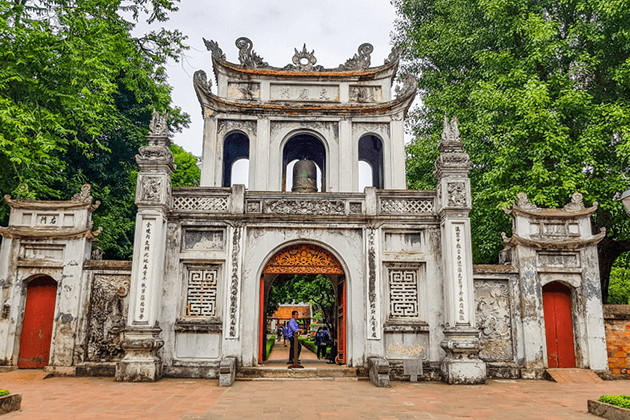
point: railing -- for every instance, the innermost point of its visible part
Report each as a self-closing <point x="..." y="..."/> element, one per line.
<point x="238" y="201"/>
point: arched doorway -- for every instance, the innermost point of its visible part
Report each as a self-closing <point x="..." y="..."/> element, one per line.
<point x="305" y="259"/>
<point x="558" y="325"/>
<point x="38" y="321"/>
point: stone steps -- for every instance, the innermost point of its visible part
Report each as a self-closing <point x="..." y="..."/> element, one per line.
<point x="572" y="376"/>
<point x="279" y="373"/>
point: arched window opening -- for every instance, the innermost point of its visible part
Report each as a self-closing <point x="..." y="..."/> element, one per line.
<point x="304" y="146"/>
<point x="371" y="151"/>
<point x="365" y="175"/>
<point x="290" y="177"/>
<point x="240" y="173"/>
<point x="235" y="147"/>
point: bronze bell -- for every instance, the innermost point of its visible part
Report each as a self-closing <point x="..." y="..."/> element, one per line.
<point x="304" y="176"/>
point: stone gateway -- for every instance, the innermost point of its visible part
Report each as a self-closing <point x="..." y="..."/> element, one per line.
<point x="409" y="302"/>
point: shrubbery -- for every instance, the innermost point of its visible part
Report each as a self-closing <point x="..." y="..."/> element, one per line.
<point x="3" y="392"/>
<point x="622" y="401"/>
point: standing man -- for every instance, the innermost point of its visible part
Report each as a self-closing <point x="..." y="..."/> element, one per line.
<point x="292" y="334"/>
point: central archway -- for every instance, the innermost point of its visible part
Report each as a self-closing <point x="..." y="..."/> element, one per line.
<point x="305" y="258"/>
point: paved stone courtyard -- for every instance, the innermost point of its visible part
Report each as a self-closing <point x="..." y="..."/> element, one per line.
<point x="189" y="399"/>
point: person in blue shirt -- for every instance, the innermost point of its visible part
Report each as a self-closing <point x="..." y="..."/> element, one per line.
<point x="292" y="333"/>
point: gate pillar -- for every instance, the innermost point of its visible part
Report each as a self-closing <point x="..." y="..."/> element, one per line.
<point x="454" y="201"/>
<point x="153" y="198"/>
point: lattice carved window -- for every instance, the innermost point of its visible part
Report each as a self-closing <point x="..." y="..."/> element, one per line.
<point x="201" y="293"/>
<point x="403" y="291"/>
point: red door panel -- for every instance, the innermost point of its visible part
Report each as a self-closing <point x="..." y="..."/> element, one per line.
<point x="38" y="323"/>
<point x="341" y="320"/>
<point x="558" y="326"/>
<point x="263" y="337"/>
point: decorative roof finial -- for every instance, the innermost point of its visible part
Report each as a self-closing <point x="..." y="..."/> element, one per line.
<point x="246" y="56"/>
<point x="361" y="60"/>
<point x="213" y="46"/>
<point x="158" y="126"/>
<point x="451" y="131"/>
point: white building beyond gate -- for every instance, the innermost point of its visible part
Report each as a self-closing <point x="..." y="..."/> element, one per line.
<point x="189" y="304"/>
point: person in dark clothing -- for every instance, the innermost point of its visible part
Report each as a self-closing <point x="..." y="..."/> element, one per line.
<point x="333" y="353"/>
<point x="322" y="340"/>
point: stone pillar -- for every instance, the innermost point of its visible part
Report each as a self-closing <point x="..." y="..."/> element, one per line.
<point x="153" y="198"/>
<point x="461" y="337"/>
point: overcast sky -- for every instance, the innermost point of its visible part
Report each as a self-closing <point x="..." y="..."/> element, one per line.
<point x="333" y="28"/>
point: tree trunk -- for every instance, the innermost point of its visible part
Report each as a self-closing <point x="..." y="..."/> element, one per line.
<point x="607" y="251"/>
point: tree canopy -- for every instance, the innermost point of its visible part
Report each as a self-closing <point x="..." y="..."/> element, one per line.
<point x="542" y="93"/>
<point x="77" y="90"/>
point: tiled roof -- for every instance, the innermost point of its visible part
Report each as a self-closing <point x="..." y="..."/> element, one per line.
<point x="284" y="312"/>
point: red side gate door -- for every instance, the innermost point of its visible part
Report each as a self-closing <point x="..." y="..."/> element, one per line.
<point x="558" y="325"/>
<point x="38" y="323"/>
<point x="341" y="320"/>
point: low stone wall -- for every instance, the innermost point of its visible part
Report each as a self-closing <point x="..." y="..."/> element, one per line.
<point x="617" y="321"/>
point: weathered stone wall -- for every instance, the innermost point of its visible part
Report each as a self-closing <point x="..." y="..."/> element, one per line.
<point x="617" y="322"/>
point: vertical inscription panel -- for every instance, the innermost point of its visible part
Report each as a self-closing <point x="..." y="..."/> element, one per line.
<point x="494" y="319"/>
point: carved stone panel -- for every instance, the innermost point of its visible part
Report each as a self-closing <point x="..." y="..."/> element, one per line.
<point x="304" y="93"/>
<point x="201" y="291"/>
<point x="243" y="91"/>
<point x="559" y="259"/>
<point x="456" y="194"/>
<point x="316" y="207"/>
<point x="403" y="291"/>
<point x="195" y="240"/>
<point x="493" y="317"/>
<point x="364" y="94"/>
<point x="406" y="346"/>
<point x="151" y="189"/>
<point x="109" y="303"/>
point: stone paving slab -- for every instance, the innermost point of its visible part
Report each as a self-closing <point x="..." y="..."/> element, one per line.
<point x="197" y="399"/>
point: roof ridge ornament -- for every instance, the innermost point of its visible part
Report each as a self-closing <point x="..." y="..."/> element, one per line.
<point x="304" y="61"/>
<point x="84" y="196"/>
<point x="360" y="60"/>
<point x="409" y="86"/>
<point x="394" y="55"/>
<point x="213" y="46"/>
<point x="246" y="56"/>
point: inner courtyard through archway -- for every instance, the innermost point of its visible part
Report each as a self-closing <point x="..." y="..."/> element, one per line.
<point x="309" y="277"/>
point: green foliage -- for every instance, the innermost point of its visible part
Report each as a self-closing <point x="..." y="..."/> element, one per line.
<point x="269" y="345"/>
<point x="619" y="287"/>
<point x="3" y="392"/>
<point x="622" y="401"/>
<point x="542" y="93"/>
<point x="308" y="343"/>
<point x="188" y="173"/>
<point x="317" y="290"/>
<point x="77" y="89"/>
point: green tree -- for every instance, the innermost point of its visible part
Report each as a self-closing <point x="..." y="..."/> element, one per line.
<point x="542" y="93"/>
<point x="76" y="94"/>
<point x="316" y="290"/>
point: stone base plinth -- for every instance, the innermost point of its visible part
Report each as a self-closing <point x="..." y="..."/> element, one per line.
<point x="464" y="371"/>
<point x="462" y="364"/>
<point x="138" y="371"/>
<point x="141" y="363"/>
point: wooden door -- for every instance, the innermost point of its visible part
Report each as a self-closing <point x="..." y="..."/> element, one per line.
<point x="558" y="325"/>
<point x="37" y="326"/>
<point x="341" y="319"/>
